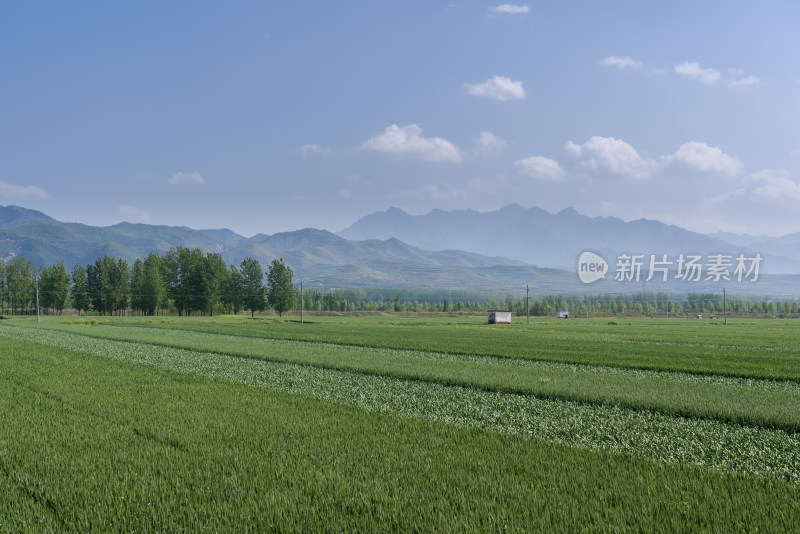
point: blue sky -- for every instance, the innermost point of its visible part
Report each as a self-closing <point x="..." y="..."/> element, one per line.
<point x="275" y="116"/>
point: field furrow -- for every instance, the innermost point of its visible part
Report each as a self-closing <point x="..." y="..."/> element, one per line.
<point x="746" y="350"/>
<point x="764" y="403"/>
<point x="689" y="441"/>
<point x="255" y="459"/>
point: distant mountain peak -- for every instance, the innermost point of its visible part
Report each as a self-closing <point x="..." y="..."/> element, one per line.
<point x="395" y="211"/>
<point x="394" y="249"/>
<point x="512" y="208"/>
<point x="569" y="212"/>
<point x="11" y="214"/>
<point x="538" y="237"/>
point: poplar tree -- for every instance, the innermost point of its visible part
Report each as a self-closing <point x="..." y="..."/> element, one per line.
<point x="147" y="286"/>
<point x="187" y="279"/>
<point x="280" y="291"/>
<point x="218" y="276"/>
<point x="80" y="292"/>
<point x="20" y="283"/>
<point x="254" y="293"/>
<point x="54" y="287"/>
<point x="3" y="287"/>
<point x="232" y="290"/>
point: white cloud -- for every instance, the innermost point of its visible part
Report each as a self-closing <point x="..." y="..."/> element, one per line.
<point x="540" y="167"/>
<point x="408" y="141"/>
<point x="607" y="154"/>
<point x="725" y="197"/>
<point x="21" y="191"/>
<point x="308" y="150"/>
<point x="132" y="213"/>
<point x="621" y="62"/>
<point x="700" y="157"/>
<point x="761" y="203"/>
<point x="692" y="69"/>
<point x="513" y="9"/>
<point x="745" y="81"/>
<point x="488" y="144"/>
<point x="775" y="184"/>
<point x="192" y="178"/>
<point x="709" y="76"/>
<point x="498" y="87"/>
<point x="765" y="202"/>
<point x="614" y="156"/>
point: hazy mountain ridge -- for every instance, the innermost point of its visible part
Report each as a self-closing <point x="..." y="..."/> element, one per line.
<point x="15" y="215"/>
<point x="322" y="257"/>
<point x="327" y="260"/>
<point x="787" y="245"/>
<point x="536" y="236"/>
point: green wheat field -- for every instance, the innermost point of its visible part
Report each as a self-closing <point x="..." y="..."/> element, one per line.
<point x="392" y="423"/>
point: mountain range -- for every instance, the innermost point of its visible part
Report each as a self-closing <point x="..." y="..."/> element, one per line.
<point x="501" y="250"/>
<point x="320" y="257"/>
<point x="556" y="240"/>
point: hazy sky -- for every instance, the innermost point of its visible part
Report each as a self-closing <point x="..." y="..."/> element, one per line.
<point x="273" y="116"/>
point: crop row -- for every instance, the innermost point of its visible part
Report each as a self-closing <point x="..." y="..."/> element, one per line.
<point x="250" y="346"/>
<point x="746" y="351"/>
<point x="689" y="441"/>
<point x="91" y="444"/>
<point x="765" y="403"/>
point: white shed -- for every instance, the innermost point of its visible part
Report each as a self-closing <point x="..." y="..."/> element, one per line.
<point x="499" y="317"/>
<point x="563" y="315"/>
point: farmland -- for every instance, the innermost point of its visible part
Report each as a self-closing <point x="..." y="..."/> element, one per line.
<point x="388" y="422"/>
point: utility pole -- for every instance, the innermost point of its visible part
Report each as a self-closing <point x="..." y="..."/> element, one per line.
<point x="527" y="309"/>
<point x="724" y="305"/>
<point x="301" y="302"/>
<point x="36" y="282"/>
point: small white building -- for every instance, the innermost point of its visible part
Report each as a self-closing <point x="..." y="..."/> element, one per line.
<point x="563" y="315"/>
<point x="499" y="317"/>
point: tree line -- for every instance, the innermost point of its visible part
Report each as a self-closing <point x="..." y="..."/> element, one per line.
<point x="187" y="281"/>
<point x="183" y="281"/>
<point x="445" y="301"/>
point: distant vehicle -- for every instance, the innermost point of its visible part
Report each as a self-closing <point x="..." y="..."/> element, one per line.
<point x="499" y="317"/>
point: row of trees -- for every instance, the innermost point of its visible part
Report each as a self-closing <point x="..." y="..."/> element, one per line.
<point x="184" y="280"/>
<point x="648" y="304"/>
<point x="187" y="281"/>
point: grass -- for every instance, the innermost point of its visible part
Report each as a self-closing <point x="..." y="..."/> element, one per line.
<point x="766" y="404"/>
<point x="640" y="434"/>
<point x="365" y="423"/>
<point x="92" y="446"/>
<point x="761" y="349"/>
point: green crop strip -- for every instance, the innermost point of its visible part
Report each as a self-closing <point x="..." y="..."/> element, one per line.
<point x="758" y="351"/>
<point x="765" y="403"/>
<point x="714" y="444"/>
<point x="90" y="444"/>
